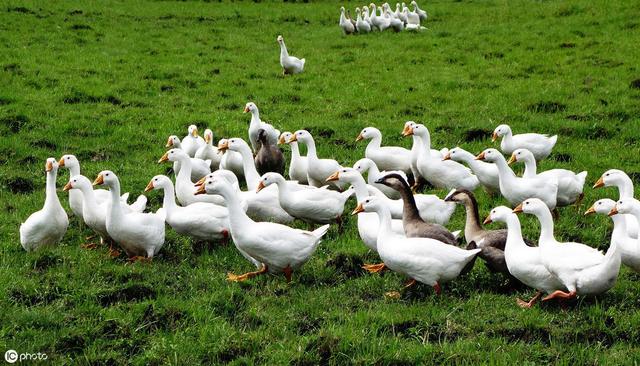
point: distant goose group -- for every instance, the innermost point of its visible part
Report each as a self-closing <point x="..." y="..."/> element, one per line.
<point x="382" y="18"/>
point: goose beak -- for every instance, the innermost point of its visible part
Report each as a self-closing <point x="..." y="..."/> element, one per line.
<point x="359" y="137"/>
<point x="281" y="140"/>
<point x="260" y="187"/>
<point x="407" y="131"/>
<point x="149" y="186"/>
<point x="447" y="157"/>
<point x="200" y="182"/>
<point x="480" y="156"/>
<point x="164" y="158"/>
<point x="599" y="183"/>
<point x="494" y="137"/>
<point x="591" y="210"/>
<point x="99" y="180"/>
<point x="207" y="138"/>
<point x="246" y="109"/>
<point x="358" y="209"/>
<point x="169" y="142"/>
<point x="614" y="211"/>
<point x="293" y="138"/>
<point x="61" y="162"/>
<point x="67" y="186"/>
<point x="223" y="147"/>
<point x="201" y="190"/>
<point x="487" y="220"/>
<point x="512" y="159"/>
<point x="48" y="167"/>
<point x="333" y="177"/>
<point x="518" y="209"/>
<point x="195" y="133"/>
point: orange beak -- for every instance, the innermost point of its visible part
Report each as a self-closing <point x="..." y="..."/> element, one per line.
<point x="260" y="187"/>
<point x="591" y="210"/>
<point x="480" y="156"/>
<point x="447" y="157"/>
<point x="358" y="209"/>
<point x="207" y="138"/>
<point x="200" y="182"/>
<point x="246" y="109"/>
<point x="201" y="190"/>
<point x="48" y="167"/>
<point x="61" y="162"/>
<point x="99" y="180"/>
<point x="195" y="133"/>
<point x="223" y="147"/>
<point x="614" y="211"/>
<point x="293" y="138"/>
<point x="149" y="186"/>
<point x="487" y="220"/>
<point x="512" y="159"/>
<point x="518" y="209"/>
<point x="67" y="186"/>
<point x="169" y="142"/>
<point x="494" y="137"/>
<point x="333" y="177"/>
<point x="407" y="131"/>
<point x="359" y="137"/>
<point x="281" y="140"/>
<point x="599" y="183"/>
<point x="164" y="158"/>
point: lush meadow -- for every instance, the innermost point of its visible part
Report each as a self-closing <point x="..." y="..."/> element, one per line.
<point x="110" y="81"/>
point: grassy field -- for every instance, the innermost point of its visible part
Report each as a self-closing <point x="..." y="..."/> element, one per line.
<point x="109" y="81"/>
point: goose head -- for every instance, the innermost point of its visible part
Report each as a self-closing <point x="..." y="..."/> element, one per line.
<point x="454" y="154"/>
<point x="500" y="131"/>
<point x="602" y="206"/>
<point x="77" y="182"/>
<point x="342" y="10"/>
<point x="408" y="128"/>
<point x="106" y="178"/>
<point x="234" y="144"/>
<point x="51" y="165"/>
<point x="268" y="179"/>
<point x="68" y="161"/>
<point x="173" y="155"/>
<point x="348" y="175"/>
<point x="284" y="138"/>
<point x="158" y="182"/>
<point x="533" y="206"/>
<point x="460" y="196"/>
<point x="208" y="136"/>
<point x="301" y="135"/>
<point x="417" y="129"/>
<point x="520" y="155"/>
<point x="415" y="4"/>
<point x="363" y="165"/>
<point x="369" y="204"/>
<point x="498" y="214"/>
<point x="280" y="39"/>
<point x="193" y="131"/>
<point x="393" y="180"/>
<point x="368" y="133"/>
<point x="250" y="107"/>
<point x="490" y="155"/>
<point x="625" y="206"/>
<point x="612" y="177"/>
<point x="173" y="141"/>
<point x="215" y="186"/>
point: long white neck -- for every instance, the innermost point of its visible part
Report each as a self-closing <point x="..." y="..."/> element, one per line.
<point x="115" y="213"/>
<point x="185" y="170"/>
<point x="51" y="196"/>
<point x="295" y="151"/>
<point x="546" y="226"/>
<point x="74" y="170"/>
<point x="375" y="143"/>
<point x="625" y="188"/>
<point x="89" y="203"/>
<point x="514" y="234"/>
<point x="249" y="167"/>
<point x="255" y="118"/>
<point x="311" y="150"/>
<point x="283" y="50"/>
<point x="283" y="190"/>
<point x="530" y="168"/>
<point x="505" y="174"/>
<point x="360" y="187"/>
<point x="169" y="199"/>
<point x="342" y="17"/>
<point x="384" y="217"/>
<point x="238" y="218"/>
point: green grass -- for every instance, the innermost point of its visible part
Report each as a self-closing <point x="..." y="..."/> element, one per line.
<point x="109" y="81"/>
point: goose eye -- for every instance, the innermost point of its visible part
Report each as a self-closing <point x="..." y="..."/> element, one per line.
<point x="68" y="158"/>
<point x="607" y="174"/>
<point x="526" y="203"/>
<point x="107" y="174"/>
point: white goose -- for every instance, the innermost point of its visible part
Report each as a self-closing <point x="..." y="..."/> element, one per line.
<point x="487" y="173"/>
<point x="208" y="151"/>
<point x="366" y="18"/>
<point x="199" y="167"/>
<point x="290" y="64"/>
<point x="318" y="169"/>
<point x="421" y="259"/>
<point x="421" y="13"/>
<point x="71" y="163"/>
<point x="298" y="167"/>
<point x="618" y="178"/>
<point x="316" y="206"/>
<point x="441" y="173"/>
<point x="378" y="21"/>
<point x="231" y="161"/>
<point x="629" y="247"/>
<point x="516" y="189"/>
<point x="278" y="247"/>
<point x="385" y="157"/>
<point x="583" y="270"/>
<point x="345" y="24"/>
<point x="394" y="23"/>
<point x="412" y="19"/>
<point x="199" y="220"/>
<point x="570" y="184"/>
<point x="141" y="235"/>
<point x="365" y="165"/>
<point x="524" y="262"/>
<point x="539" y="145"/>
<point x="192" y="142"/>
<point x="362" y="25"/>
<point x="256" y="124"/>
<point x="185" y="191"/>
<point x="47" y="226"/>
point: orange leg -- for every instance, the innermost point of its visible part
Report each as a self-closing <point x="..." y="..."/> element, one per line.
<point x="375" y="268"/>
<point x="526" y="305"/>
<point x="243" y="277"/>
<point x="437" y="288"/>
<point x="409" y="283"/>
<point x="287" y="273"/>
<point x="139" y="258"/>
<point x="89" y="246"/>
<point x="561" y="295"/>
<point x="225" y="237"/>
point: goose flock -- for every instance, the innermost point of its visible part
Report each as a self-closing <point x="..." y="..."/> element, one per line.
<point x="382" y="18"/>
<point x="408" y="230"/>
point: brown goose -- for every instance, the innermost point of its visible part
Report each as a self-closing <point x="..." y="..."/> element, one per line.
<point x="490" y="241"/>
<point x="269" y="157"/>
